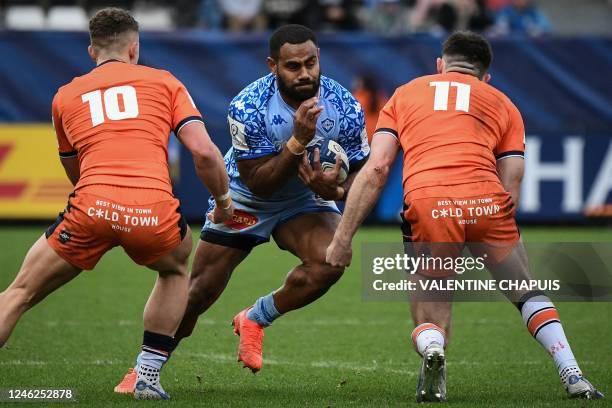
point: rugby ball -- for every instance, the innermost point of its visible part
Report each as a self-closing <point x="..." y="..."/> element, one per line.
<point x="328" y="151"/>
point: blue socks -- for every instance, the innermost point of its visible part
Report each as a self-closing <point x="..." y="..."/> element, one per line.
<point x="264" y="311"/>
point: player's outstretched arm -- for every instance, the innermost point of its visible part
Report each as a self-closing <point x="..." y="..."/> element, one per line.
<point x="510" y="171"/>
<point x="362" y="196"/>
<point x="266" y="175"/>
<point x="209" y="165"/>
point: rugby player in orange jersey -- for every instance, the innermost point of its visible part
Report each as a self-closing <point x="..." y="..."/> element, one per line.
<point x="463" y="143"/>
<point x="112" y="126"/>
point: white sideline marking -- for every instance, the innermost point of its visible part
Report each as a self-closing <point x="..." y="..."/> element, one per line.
<point x="22" y="362"/>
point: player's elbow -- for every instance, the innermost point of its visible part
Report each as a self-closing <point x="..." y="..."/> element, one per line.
<point x="377" y="173"/>
<point x="205" y="155"/>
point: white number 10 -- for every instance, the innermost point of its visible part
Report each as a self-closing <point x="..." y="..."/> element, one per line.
<point x="441" y="96"/>
<point x="111" y="104"/>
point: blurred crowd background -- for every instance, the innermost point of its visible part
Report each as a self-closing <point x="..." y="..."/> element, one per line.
<point x="383" y="17"/>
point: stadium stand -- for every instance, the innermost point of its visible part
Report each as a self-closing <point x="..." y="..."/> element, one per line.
<point x="387" y="17"/>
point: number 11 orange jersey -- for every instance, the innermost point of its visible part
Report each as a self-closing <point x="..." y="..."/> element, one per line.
<point x="452" y="128"/>
<point x="117" y="119"/>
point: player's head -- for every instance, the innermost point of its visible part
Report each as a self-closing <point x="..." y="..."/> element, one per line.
<point x="113" y="33"/>
<point x="294" y="59"/>
<point x="466" y="52"/>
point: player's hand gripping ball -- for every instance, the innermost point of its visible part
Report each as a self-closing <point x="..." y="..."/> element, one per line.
<point x="328" y="151"/>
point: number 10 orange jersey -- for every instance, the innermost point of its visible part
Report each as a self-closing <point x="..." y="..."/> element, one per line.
<point x="452" y="128"/>
<point x="117" y="119"/>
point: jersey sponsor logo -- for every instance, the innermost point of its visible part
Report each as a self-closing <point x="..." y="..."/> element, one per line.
<point x="278" y="120"/>
<point x="123" y="217"/>
<point x="237" y="131"/>
<point x="472" y="208"/>
<point x="241" y="220"/>
<point x="328" y="125"/>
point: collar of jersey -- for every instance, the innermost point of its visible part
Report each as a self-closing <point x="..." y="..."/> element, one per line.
<point x="110" y="60"/>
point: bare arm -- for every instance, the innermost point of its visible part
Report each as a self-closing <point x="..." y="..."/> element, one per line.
<point x="354" y="171"/>
<point x="71" y="166"/>
<point x="510" y="171"/>
<point x="207" y="158"/>
<point x="363" y="195"/>
<point x="266" y="175"/>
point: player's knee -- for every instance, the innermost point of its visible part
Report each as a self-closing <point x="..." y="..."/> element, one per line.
<point x="174" y="270"/>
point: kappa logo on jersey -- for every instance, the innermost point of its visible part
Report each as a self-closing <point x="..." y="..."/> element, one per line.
<point x="64" y="236"/>
<point x="241" y="220"/>
<point x="278" y="120"/>
<point x="328" y="124"/>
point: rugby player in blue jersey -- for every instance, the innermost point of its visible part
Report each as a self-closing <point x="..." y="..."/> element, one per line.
<point x="276" y="191"/>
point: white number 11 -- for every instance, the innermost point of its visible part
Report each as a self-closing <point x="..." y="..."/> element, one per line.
<point x="441" y="96"/>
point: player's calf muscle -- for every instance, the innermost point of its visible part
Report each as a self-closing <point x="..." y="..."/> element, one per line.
<point x="327" y="274"/>
<point x="314" y="275"/>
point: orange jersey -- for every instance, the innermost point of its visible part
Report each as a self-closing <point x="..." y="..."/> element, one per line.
<point x="118" y="120"/>
<point x="452" y="128"/>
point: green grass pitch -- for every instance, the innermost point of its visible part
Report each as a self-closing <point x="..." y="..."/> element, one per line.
<point x="340" y="351"/>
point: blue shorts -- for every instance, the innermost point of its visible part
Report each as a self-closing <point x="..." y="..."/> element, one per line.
<point x="255" y="219"/>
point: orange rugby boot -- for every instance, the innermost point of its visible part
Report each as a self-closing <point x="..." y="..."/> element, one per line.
<point x="251" y="341"/>
<point x="127" y="385"/>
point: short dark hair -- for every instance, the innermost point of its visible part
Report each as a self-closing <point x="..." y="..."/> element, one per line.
<point x="108" y="24"/>
<point x="469" y="47"/>
<point x="292" y="34"/>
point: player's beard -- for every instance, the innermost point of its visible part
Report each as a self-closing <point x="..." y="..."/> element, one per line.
<point x="292" y="92"/>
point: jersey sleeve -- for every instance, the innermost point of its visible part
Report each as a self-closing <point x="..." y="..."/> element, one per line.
<point x="64" y="146"/>
<point x="512" y="143"/>
<point x="387" y="121"/>
<point x="353" y="134"/>
<point x="184" y="110"/>
<point x="248" y="129"/>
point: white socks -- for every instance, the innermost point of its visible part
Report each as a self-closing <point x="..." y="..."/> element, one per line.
<point x="425" y="334"/>
<point x="542" y="321"/>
